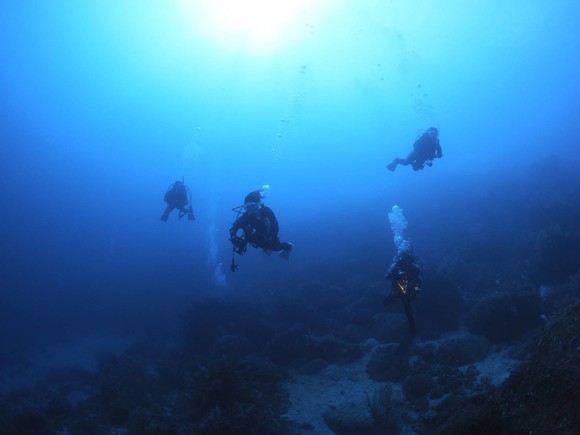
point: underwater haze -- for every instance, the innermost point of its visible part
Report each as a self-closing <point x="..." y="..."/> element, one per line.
<point x="104" y="104"/>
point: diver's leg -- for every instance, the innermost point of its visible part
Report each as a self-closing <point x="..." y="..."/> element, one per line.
<point x="390" y="298"/>
<point x="410" y="319"/>
<point x="286" y="248"/>
<point x="409" y="160"/>
<point x="417" y="165"/>
<point x="165" y="214"/>
<point x="275" y="245"/>
<point x="393" y="165"/>
<point x="406" y="161"/>
<point x="406" y="343"/>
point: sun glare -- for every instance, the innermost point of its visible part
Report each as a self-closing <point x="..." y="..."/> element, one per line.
<point x="261" y="26"/>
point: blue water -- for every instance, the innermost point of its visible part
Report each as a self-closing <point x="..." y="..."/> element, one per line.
<point x="105" y="104"/>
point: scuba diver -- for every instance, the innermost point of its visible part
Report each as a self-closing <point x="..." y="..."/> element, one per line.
<point x="405" y="276"/>
<point x="259" y="228"/>
<point x="178" y="196"/>
<point x="404" y="273"/>
<point x="425" y="149"/>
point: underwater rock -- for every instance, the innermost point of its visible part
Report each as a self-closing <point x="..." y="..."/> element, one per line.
<point x="556" y="255"/>
<point x="349" y="419"/>
<point x="506" y="317"/>
<point x="390" y="327"/>
<point x="542" y="395"/>
<point x="418" y="386"/>
<point x="297" y="346"/>
<point x="313" y="367"/>
<point x="387" y="365"/>
<point x="461" y="351"/>
<point x="354" y="334"/>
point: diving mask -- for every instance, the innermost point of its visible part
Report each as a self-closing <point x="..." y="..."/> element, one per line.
<point x="251" y="206"/>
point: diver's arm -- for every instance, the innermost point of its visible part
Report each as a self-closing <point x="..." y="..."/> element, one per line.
<point x="269" y="216"/>
<point x="188" y="195"/>
<point x="389" y="274"/>
<point x="438" y="151"/>
<point x="239" y="223"/>
<point x="274" y="227"/>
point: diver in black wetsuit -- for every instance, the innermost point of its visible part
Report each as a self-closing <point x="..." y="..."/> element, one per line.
<point x="405" y="276"/>
<point x="178" y="196"/>
<point x="259" y="228"/>
<point x="425" y="149"/>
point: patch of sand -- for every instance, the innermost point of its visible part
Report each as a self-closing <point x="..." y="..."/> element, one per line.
<point x="311" y="396"/>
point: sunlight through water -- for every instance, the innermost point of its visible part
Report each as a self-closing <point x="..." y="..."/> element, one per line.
<point x="257" y="26"/>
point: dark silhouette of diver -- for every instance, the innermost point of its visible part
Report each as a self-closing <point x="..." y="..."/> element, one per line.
<point x="178" y="196"/>
<point x="259" y="228"/>
<point x="405" y="276"/>
<point x="425" y="149"/>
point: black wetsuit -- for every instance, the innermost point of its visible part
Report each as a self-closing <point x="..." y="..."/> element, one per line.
<point x="405" y="277"/>
<point x="177" y="197"/>
<point x="425" y="149"/>
<point x="260" y="229"/>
